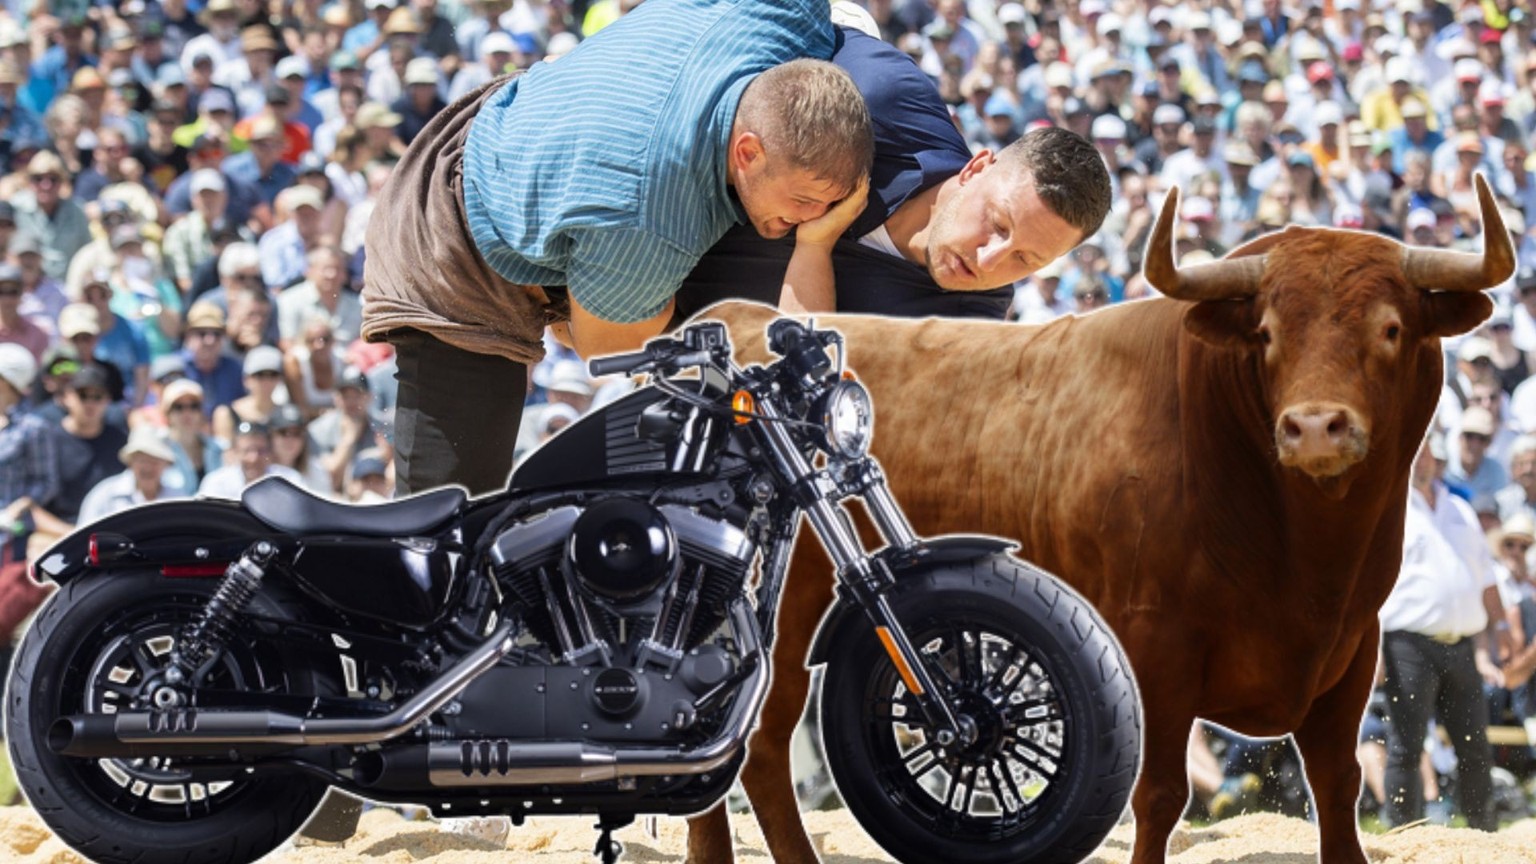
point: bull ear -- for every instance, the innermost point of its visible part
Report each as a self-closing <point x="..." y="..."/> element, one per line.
<point x="1222" y="323"/>
<point x="1451" y="313"/>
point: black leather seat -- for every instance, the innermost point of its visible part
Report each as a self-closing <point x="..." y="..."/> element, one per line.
<point x="293" y="510"/>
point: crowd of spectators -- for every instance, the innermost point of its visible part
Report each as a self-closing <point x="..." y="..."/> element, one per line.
<point x="184" y="186"/>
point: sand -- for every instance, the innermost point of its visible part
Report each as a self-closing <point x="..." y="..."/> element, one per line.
<point x="385" y="838"/>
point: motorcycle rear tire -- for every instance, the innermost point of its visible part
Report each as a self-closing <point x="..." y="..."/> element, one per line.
<point x="1094" y="694"/>
<point x="264" y="811"/>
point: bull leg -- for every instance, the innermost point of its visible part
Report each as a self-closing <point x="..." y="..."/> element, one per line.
<point x="1162" y="793"/>
<point x="1327" y="738"/>
<point x="709" y="837"/>
<point x="767" y="778"/>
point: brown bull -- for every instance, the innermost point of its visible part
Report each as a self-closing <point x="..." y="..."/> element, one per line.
<point x="1224" y="474"/>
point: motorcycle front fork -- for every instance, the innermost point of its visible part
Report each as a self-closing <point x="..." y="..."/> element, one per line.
<point x="864" y="580"/>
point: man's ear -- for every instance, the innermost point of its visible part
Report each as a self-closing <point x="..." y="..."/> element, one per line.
<point x="1222" y="323"/>
<point x="1451" y="313"/>
<point x="747" y="151"/>
<point x="980" y="162"/>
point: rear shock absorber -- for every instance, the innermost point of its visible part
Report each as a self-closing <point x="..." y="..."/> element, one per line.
<point x="202" y="639"/>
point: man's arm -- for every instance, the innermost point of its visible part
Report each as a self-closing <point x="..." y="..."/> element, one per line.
<point x="592" y="336"/>
<point x="809" y="283"/>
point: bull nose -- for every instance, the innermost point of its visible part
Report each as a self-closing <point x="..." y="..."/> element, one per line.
<point x="1320" y="439"/>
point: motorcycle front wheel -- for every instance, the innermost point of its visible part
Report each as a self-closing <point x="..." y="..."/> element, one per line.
<point x="97" y="646"/>
<point x="1044" y="686"/>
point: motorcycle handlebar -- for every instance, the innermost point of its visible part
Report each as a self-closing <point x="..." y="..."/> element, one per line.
<point x="618" y="363"/>
<point x="631" y="362"/>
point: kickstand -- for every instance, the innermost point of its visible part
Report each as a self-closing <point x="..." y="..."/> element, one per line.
<point x="607" y="848"/>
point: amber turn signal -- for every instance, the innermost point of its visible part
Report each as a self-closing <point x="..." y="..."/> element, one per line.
<point x="743" y="404"/>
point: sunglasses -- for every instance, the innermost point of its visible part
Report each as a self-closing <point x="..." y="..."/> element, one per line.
<point x="1476" y="437"/>
<point x="10" y="292"/>
<point x="205" y="335"/>
<point x="266" y="375"/>
<point x="91" y="395"/>
<point x="289" y="432"/>
<point x="186" y="406"/>
<point x="1516" y="546"/>
<point x="45" y="179"/>
<point x="249" y="279"/>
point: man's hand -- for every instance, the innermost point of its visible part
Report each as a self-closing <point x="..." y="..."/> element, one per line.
<point x="824" y="230"/>
<point x="809" y="283"/>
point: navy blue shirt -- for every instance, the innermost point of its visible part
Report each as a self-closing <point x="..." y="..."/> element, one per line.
<point x="240" y="198"/>
<point x="916" y="148"/>
<point x="243" y="167"/>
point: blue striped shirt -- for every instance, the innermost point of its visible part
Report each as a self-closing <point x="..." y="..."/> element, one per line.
<point x="606" y="171"/>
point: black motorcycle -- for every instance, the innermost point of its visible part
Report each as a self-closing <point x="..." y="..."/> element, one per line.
<point x="595" y="639"/>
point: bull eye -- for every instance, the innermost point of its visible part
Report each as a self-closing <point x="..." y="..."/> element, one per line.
<point x="1265" y="336"/>
<point x="1393" y="331"/>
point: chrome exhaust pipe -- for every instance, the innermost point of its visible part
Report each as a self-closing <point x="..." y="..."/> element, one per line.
<point x="191" y="732"/>
<point x="502" y="762"/>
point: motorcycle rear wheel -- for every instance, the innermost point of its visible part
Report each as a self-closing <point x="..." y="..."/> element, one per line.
<point x="91" y="648"/>
<point x="1053" y="700"/>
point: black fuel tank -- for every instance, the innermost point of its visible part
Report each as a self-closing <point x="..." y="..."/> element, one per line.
<point x="604" y="446"/>
<point x="408" y="581"/>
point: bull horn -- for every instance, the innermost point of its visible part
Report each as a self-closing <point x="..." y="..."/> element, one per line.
<point x="1227" y="279"/>
<point x="1445" y="270"/>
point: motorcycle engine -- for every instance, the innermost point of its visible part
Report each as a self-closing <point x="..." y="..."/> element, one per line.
<point x="625" y="573"/>
<point x="628" y="599"/>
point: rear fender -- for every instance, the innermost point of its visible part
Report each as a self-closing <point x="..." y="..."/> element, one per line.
<point x="938" y="551"/>
<point x="204" y="533"/>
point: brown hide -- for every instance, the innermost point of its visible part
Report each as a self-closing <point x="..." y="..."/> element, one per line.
<point x="1138" y="463"/>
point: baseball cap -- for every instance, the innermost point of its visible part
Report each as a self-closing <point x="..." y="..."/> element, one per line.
<point x="178" y="390"/>
<point x="89" y="378"/>
<point x="1469" y="142"/>
<point x="1167" y="113"/>
<point x="120" y="236"/>
<point x="310" y="163"/>
<point x="1348" y="216"/>
<point x="205" y="315"/>
<point x="9" y="273"/>
<point x="1253" y="72"/>
<point x="146" y="440"/>
<point x="569" y="376"/>
<point x="344" y="60"/>
<point x="1412" y="108"/>
<point x="79" y="318"/>
<point x="207" y="180"/>
<point x="1108" y="126"/>
<point x="369" y="463"/>
<point x="17" y="366"/>
<point x="1477" y="420"/>
<point x="498" y="42"/>
<point x="1490" y="36"/>
<point x="352" y="377"/>
<point x="1467" y="69"/>
<point x="1319" y="71"/>
<point x="373" y="114"/>
<point x="1010" y="13"/>
<point x="265" y="126"/>
<point x="1490" y="93"/>
<point x="1197" y="209"/>
<point x="998" y="106"/>
<point x="1239" y="153"/>
<point x="1399" y="69"/>
<point x="165" y="365"/>
<point x="422" y="70"/>
<point x="302" y="195"/>
<point x="262" y="358"/>
<point x="215" y="100"/>
<point x="1328" y="113"/>
<point x="286" y="416"/>
<point x="1058" y="74"/>
<point x="292" y="66"/>
<point x="1420" y="217"/>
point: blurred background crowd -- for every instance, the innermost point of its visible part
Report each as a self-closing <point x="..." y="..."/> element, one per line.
<point x="184" y="186"/>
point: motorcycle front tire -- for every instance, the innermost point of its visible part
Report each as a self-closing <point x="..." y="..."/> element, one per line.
<point x="1080" y="690"/>
<point x="240" y="823"/>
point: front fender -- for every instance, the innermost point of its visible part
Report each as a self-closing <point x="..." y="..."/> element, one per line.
<point x="206" y="520"/>
<point x="937" y="551"/>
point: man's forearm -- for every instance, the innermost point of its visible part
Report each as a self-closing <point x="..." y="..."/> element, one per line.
<point x="809" y="283"/>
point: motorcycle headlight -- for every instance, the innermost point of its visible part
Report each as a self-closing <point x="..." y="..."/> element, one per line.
<point x="848" y="416"/>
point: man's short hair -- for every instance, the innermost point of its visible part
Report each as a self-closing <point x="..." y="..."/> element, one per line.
<point x="1068" y="173"/>
<point x="810" y="113"/>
